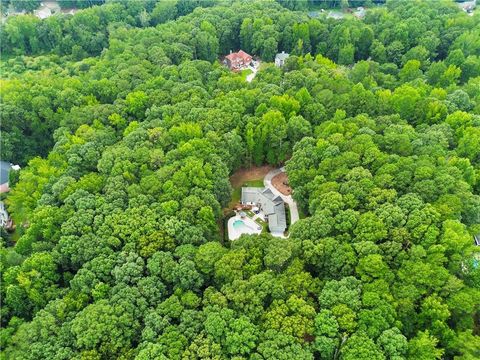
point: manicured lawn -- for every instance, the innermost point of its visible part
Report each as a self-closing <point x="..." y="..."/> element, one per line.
<point x="245" y="73"/>
<point x="254" y="183"/>
<point x="250" y="213"/>
<point x="262" y="223"/>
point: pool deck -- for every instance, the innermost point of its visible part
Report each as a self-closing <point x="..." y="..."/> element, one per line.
<point x="234" y="234"/>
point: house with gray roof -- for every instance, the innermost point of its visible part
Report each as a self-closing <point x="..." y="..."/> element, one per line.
<point x="5" y="168"/>
<point x="272" y="206"/>
<point x="280" y="59"/>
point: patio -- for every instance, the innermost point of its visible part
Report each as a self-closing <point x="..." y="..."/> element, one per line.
<point x="240" y="224"/>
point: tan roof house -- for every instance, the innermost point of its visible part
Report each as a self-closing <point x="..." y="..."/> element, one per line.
<point x="238" y="61"/>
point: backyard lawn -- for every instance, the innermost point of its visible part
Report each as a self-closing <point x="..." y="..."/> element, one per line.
<point x="264" y="224"/>
<point x="244" y="73"/>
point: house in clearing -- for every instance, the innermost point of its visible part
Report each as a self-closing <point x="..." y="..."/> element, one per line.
<point x="272" y="206"/>
<point x="238" y="61"/>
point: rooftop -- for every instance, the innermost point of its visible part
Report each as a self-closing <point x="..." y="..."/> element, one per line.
<point x="282" y="56"/>
<point x="238" y="55"/>
<point x="273" y="206"/>
<point x="4" y="170"/>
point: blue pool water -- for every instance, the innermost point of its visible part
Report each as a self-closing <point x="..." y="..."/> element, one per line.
<point x="240" y="225"/>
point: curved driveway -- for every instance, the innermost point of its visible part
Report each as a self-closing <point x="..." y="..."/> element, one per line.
<point x="267" y="182"/>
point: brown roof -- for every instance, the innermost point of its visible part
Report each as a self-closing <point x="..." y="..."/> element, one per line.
<point x="240" y="54"/>
<point x="243" y="54"/>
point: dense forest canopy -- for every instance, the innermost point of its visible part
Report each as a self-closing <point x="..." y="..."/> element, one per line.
<point x="127" y="127"/>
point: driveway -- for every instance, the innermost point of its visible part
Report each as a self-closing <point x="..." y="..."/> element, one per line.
<point x="254" y="69"/>
<point x="267" y="182"/>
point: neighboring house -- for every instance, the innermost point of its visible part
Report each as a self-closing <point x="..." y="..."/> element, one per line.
<point x="5" y="168"/>
<point x="360" y="13"/>
<point x="272" y="206"/>
<point x="43" y="13"/>
<point x="238" y="61"/>
<point x="467" y="6"/>
<point x="280" y="59"/>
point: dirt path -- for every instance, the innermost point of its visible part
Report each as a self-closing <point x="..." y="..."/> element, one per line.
<point x="253" y="173"/>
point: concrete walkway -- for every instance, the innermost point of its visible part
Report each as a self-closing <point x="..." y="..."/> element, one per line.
<point x="267" y="182"/>
<point x="254" y="68"/>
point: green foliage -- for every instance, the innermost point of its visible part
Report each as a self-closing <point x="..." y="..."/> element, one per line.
<point x="127" y="135"/>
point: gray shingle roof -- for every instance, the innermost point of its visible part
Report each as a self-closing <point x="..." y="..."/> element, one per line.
<point x="282" y="56"/>
<point x="273" y="206"/>
<point x="4" y="170"/>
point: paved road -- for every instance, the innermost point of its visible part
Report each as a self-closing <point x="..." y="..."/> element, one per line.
<point x="267" y="182"/>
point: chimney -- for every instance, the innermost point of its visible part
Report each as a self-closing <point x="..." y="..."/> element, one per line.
<point x="230" y="51"/>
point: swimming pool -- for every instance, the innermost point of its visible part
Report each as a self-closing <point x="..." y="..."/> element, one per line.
<point x="241" y="226"/>
<point x="238" y="226"/>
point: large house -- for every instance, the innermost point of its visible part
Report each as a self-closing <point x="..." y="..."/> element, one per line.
<point x="272" y="206"/>
<point x="238" y="61"/>
<point x="280" y="59"/>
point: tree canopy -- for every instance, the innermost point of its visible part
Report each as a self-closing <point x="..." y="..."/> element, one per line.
<point x="128" y="127"/>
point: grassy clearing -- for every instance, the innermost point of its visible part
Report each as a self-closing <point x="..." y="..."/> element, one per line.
<point x="254" y="183"/>
<point x="253" y="173"/>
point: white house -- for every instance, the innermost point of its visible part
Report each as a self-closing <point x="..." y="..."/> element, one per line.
<point x="280" y="59"/>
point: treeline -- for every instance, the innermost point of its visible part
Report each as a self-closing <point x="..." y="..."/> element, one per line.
<point x="299" y="5"/>
<point x="400" y="56"/>
<point x="382" y="37"/>
<point x="30" y="5"/>
<point x="87" y="32"/>
<point x="120" y="255"/>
